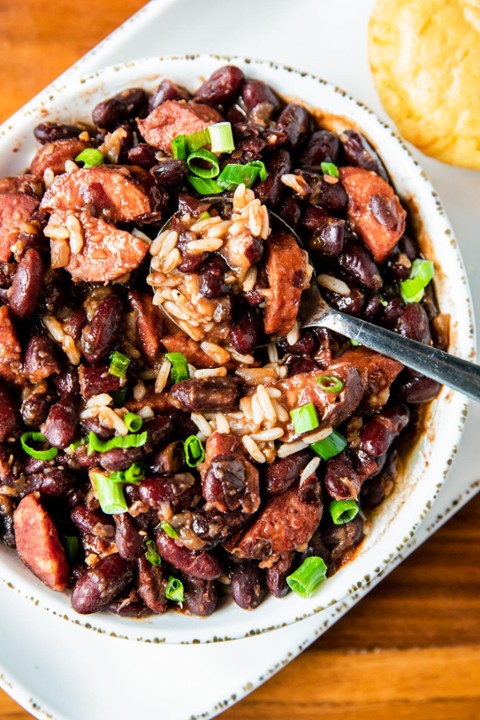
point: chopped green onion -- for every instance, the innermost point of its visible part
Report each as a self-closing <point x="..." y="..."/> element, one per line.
<point x="221" y="137"/>
<point x="135" y="473"/>
<point x="412" y="289"/>
<point x="179" y="147"/>
<point x="71" y="544"/>
<point x="37" y="437"/>
<point x="208" y="167"/>
<point x="234" y="175"/>
<point x="118" y="364"/>
<point x="342" y="511"/>
<point x="204" y="187"/>
<point x="128" y="441"/>
<point x="194" y="451"/>
<point x="330" y="446"/>
<point x="330" y="383"/>
<point x="117" y="477"/>
<point x="383" y="301"/>
<point x="174" y="590"/>
<point x="133" y="422"/>
<point x="152" y="555"/>
<point x="90" y="157"/>
<point x="355" y="343"/>
<point x="263" y="174"/>
<point x="169" y="530"/>
<point x="306" y="579"/>
<point x="110" y="495"/>
<point x="304" y="418"/>
<point x="74" y="445"/>
<point x="329" y="168"/>
<point x="197" y="140"/>
<point x="119" y="396"/>
<point x="179" y="366"/>
<point x="204" y="216"/>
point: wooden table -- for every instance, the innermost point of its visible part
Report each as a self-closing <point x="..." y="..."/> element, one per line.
<point x="411" y="649"/>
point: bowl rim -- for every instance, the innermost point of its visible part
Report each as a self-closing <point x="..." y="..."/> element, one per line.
<point x="116" y="626"/>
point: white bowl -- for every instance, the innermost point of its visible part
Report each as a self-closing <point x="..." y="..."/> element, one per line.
<point x="400" y="515"/>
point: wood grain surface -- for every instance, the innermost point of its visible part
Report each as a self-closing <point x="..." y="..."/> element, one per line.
<point x="411" y="649"/>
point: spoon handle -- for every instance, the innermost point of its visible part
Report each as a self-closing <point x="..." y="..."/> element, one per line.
<point x="436" y="364"/>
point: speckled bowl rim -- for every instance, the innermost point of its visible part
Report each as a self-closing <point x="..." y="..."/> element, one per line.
<point x="198" y="630"/>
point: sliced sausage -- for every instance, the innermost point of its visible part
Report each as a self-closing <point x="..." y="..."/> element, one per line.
<point x="377" y="371"/>
<point x="149" y="323"/>
<point x="38" y="544"/>
<point x="191" y="349"/>
<point x="9" y="416"/>
<point x="16" y="208"/>
<point x="179" y="490"/>
<point x="217" y="394"/>
<point x="288" y="275"/>
<point x="151" y="585"/>
<point x="200" y="565"/>
<point x="175" y="117"/>
<point x="10" y="350"/>
<point x="55" y="154"/>
<point x="374" y="210"/>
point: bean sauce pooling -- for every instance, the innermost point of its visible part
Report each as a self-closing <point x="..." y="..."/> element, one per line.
<point x="167" y="429"/>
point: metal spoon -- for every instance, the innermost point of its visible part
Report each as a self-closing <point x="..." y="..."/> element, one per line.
<point x="436" y="364"/>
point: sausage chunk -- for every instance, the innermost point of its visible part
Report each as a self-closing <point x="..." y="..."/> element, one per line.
<point x="217" y="394"/>
<point x="191" y="349"/>
<point x="175" y="117"/>
<point x="54" y="155"/>
<point x="16" y="207"/>
<point x="288" y="275"/>
<point x="38" y="544"/>
<point x="149" y="323"/>
<point x="377" y="371"/>
<point x="374" y="210"/>
<point x="10" y="349"/>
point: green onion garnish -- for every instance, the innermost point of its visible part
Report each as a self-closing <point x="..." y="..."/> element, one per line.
<point x="412" y="289"/>
<point x="135" y="473"/>
<point x="342" y="511"/>
<point x="179" y="366"/>
<point x="37" y="437"/>
<point x="329" y="168"/>
<point x="306" y="579"/>
<point x="117" y="477"/>
<point x="118" y="364"/>
<point x="330" y="383"/>
<point x="221" y="137"/>
<point x="179" y="147"/>
<point x="197" y="140"/>
<point x="194" y="451"/>
<point x="208" y="167"/>
<point x="304" y="418"/>
<point x="71" y="544"/>
<point x="133" y="422"/>
<point x="110" y="495"/>
<point x="383" y="301"/>
<point x="355" y="343"/>
<point x="204" y="216"/>
<point x="234" y="175"/>
<point x="204" y="187"/>
<point x="330" y="446"/>
<point x="174" y="590"/>
<point x="127" y="441"/>
<point x="169" y="530"/>
<point x="152" y="555"/>
<point x="90" y="157"/>
<point x="74" y="445"/>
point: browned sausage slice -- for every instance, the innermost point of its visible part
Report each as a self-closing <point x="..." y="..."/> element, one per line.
<point x="378" y="373"/>
<point x="54" y="155"/>
<point x="175" y="117"/>
<point x="191" y="349"/>
<point x="374" y="210"/>
<point x="288" y="275"/>
<point x="10" y="349"/>
<point x="107" y="252"/>
<point x="115" y="192"/>
<point x="15" y="209"/>
<point x="149" y="323"/>
<point x="38" y="544"/>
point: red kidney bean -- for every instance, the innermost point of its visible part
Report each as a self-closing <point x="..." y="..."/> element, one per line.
<point x="7" y="528"/>
<point x="256" y="92"/>
<point x="392" y="311"/>
<point x="300" y="365"/>
<point x="327" y="195"/>
<point x="214" y="526"/>
<point x="101" y="584"/>
<point x="295" y="121"/>
<point x="142" y="155"/>
<point x="120" y="458"/>
<point x="359" y="153"/>
<point x="414" y="388"/>
<point x="380" y="431"/>
<point x="48" y="132"/>
<point x="371" y="307"/>
<point x="128" y="540"/>
<point x="151" y="585"/>
<point x="52" y="482"/>
<point x="313" y="218"/>
<point x="96" y="379"/>
<point x="93" y="425"/>
<point x="169" y="460"/>
<point x="159" y="430"/>
<point x="408" y="246"/>
<point x="377" y="488"/>
<point x="9" y="415"/>
<point x="305" y="346"/>
<point x="169" y="173"/>
<point x="200" y="596"/>
<point x="130" y="606"/>
<point x="270" y="190"/>
<point x="61" y="424"/>
<point x="290" y="211"/>
<point x="351" y="304"/>
<point x="74" y="323"/>
<point x="66" y="382"/>
<point x="340" y="539"/>
<point x="217" y="394"/>
<point x="322" y="146"/>
<point x="104" y="331"/>
<point x="35" y="407"/>
<point x="396" y="268"/>
<point x="276" y="575"/>
<point x="222" y="87"/>
<point x="328" y="239"/>
<point x="358" y="262"/>
<point x="248" y="585"/>
<point x="27" y="285"/>
<point x="246" y="331"/>
<point x="342" y="480"/>
<point x="94" y="522"/>
<point x="167" y="90"/>
<point x="413" y="323"/>
<point x="179" y="490"/>
<point x="200" y="565"/>
<point x="84" y="459"/>
<point x="212" y="278"/>
<point x="110" y="113"/>
<point x="40" y="361"/>
<point x="285" y="471"/>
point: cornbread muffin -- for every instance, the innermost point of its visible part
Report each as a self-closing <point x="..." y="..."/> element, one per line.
<point x="425" y="59"/>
